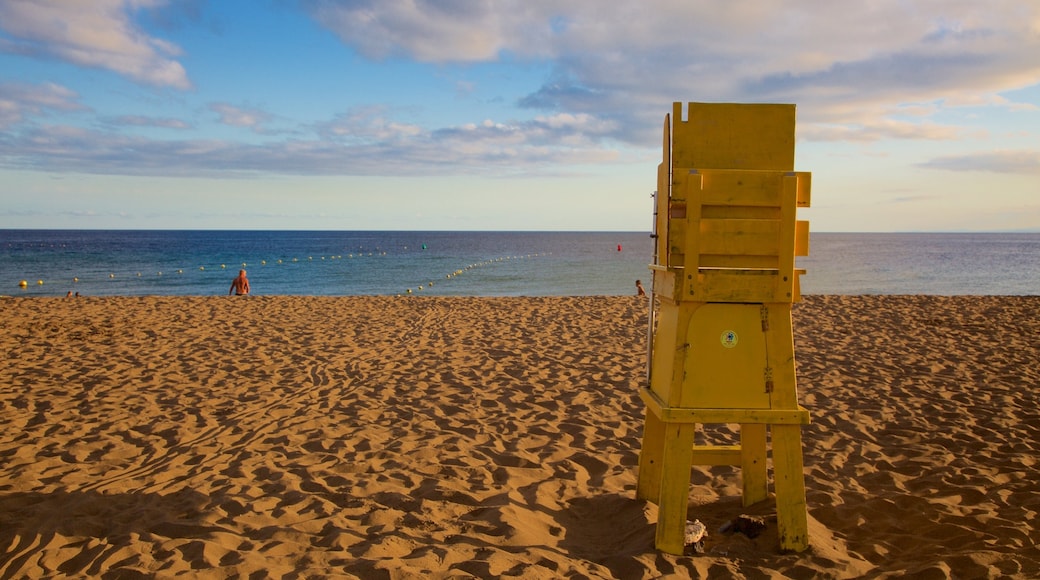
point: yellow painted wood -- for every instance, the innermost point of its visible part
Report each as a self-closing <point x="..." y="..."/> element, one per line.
<point x="798" y="416"/>
<point x="675" y="487"/>
<point x="804" y="188"/>
<point x="667" y="365"/>
<point x="724" y="280"/>
<point x="738" y="263"/>
<point x="741" y="237"/>
<point x="732" y="285"/>
<point x="727" y="355"/>
<point x="742" y="188"/>
<point x="651" y="457"/>
<point x="733" y="136"/>
<point x="716" y="455"/>
<point x="661" y="201"/>
<point x="801" y="243"/>
<point x="753" y="463"/>
<point x="785" y="271"/>
<point x="780" y="346"/>
<point x="667" y="283"/>
<point x="664" y="196"/>
<point x="789" y="482"/>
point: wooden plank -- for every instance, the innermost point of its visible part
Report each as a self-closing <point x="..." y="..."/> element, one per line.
<point x="740" y="237"/>
<point x="741" y="187"/>
<point x="721" y="212"/>
<point x="801" y="239"/>
<point x="665" y="282"/>
<point x="804" y="188"/>
<point x="675" y="488"/>
<point x="661" y="201"/>
<point x="689" y="183"/>
<point x="785" y="283"/>
<point x="753" y="468"/>
<point x="651" y="456"/>
<point x="734" y="136"/>
<point x="796" y="416"/>
<point x="739" y="262"/>
<point x="732" y="285"/>
<point x="780" y="346"/>
<point x="792" y="524"/>
<point x="716" y="455"/>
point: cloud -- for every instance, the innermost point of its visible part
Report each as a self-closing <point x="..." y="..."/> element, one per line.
<point x="146" y="121"/>
<point x="432" y="30"/>
<point x="143" y="121"/>
<point x="1017" y="162"/>
<point x="240" y="116"/>
<point x="866" y="72"/>
<point x="877" y="130"/>
<point x="19" y="100"/>
<point x="845" y="65"/>
<point x="98" y="34"/>
<point x="363" y="141"/>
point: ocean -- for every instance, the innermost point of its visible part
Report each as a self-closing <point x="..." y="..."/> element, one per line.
<point x="328" y="263"/>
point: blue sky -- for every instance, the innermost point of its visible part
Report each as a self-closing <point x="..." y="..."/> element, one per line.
<point x="913" y="115"/>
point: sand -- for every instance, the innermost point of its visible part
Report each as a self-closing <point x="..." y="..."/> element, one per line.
<point x="381" y="437"/>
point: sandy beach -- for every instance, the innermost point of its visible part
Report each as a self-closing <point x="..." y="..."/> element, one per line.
<point x="382" y="437"/>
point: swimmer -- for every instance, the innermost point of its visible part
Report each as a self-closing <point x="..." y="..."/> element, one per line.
<point x="240" y="285"/>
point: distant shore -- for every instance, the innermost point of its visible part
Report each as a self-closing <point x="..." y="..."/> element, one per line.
<point x="438" y="436"/>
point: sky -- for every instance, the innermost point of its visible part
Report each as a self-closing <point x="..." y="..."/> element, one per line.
<point x="912" y="115"/>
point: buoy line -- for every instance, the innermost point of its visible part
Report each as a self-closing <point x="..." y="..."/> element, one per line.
<point x="461" y="271"/>
<point x="221" y="269"/>
<point x="114" y="275"/>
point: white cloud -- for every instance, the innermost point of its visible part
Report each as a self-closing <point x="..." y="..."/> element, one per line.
<point x="19" y="100"/>
<point x="433" y="30"/>
<point x="850" y="64"/>
<point x="144" y="121"/>
<point x="240" y="116"/>
<point x="1018" y="162"/>
<point x="362" y="142"/>
<point x="95" y="33"/>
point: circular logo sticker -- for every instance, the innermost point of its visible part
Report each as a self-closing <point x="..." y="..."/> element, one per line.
<point x="728" y="338"/>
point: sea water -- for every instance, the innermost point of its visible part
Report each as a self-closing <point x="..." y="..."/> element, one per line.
<point x="117" y="263"/>
<point x="96" y="263"/>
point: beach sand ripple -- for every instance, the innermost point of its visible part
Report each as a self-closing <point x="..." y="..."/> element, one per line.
<point x="381" y="437"/>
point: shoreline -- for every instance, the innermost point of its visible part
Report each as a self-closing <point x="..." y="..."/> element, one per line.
<point x="400" y="437"/>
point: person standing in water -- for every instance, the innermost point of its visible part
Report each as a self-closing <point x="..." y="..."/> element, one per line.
<point x="240" y="285"/>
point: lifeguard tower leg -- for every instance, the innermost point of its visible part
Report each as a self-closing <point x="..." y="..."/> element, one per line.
<point x="675" y="487"/>
<point x="650" y="458"/>
<point x="792" y="524"/>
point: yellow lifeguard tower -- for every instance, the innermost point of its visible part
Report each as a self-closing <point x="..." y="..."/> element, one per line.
<point x="721" y="340"/>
